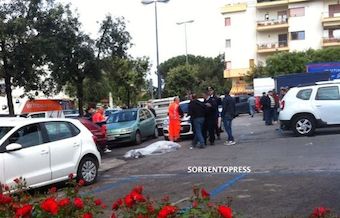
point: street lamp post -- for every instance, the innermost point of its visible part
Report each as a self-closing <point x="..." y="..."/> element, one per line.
<point x="159" y="79"/>
<point x="186" y="42"/>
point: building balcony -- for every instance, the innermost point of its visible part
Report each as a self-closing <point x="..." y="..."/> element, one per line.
<point x="235" y="73"/>
<point x="275" y="3"/>
<point x="272" y="25"/>
<point x="267" y="48"/>
<point x="330" y="21"/>
<point x="330" y="42"/>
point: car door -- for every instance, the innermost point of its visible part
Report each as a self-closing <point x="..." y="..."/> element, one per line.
<point x="327" y="104"/>
<point x="143" y="123"/>
<point x="65" y="147"/>
<point x="150" y="124"/>
<point x="32" y="161"/>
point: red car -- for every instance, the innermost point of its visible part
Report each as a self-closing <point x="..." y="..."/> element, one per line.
<point x="99" y="133"/>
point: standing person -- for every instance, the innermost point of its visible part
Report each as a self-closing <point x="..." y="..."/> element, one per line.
<point x="197" y="111"/>
<point x="272" y="106"/>
<point x="211" y="115"/>
<point x="175" y="114"/>
<point x="228" y="114"/>
<point x="89" y="113"/>
<point x="218" y="103"/>
<point x="252" y="104"/>
<point x="276" y="107"/>
<point x="150" y="107"/>
<point x="262" y="102"/>
<point x="99" y="117"/>
<point x="266" y="107"/>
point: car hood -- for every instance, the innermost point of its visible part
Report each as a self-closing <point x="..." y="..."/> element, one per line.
<point x="120" y="125"/>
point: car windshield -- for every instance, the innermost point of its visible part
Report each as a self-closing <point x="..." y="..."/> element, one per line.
<point x="184" y="107"/>
<point x="122" y="116"/>
<point x="109" y="112"/>
<point x="4" y="130"/>
<point x="67" y="112"/>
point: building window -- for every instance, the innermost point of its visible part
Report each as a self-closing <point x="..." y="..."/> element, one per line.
<point x="227" y="21"/>
<point x="297" y="12"/>
<point x="227" y="43"/>
<point x="299" y="35"/>
<point x="228" y="65"/>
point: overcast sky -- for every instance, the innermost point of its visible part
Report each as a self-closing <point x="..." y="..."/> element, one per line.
<point x="205" y="35"/>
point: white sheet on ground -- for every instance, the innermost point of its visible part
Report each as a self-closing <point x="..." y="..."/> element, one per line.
<point x="156" y="148"/>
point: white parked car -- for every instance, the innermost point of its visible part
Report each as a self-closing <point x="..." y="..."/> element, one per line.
<point x="45" y="151"/>
<point x="303" y="109"/>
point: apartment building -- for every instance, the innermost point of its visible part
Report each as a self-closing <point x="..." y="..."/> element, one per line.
<point x="254" y="30"/>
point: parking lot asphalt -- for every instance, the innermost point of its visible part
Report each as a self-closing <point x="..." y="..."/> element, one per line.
<point x="289" y="175"/>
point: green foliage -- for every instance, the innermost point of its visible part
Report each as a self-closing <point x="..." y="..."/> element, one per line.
<point x="295" y="62"/>
<point x="181" y="80"/>
<point x="203" y="72"/>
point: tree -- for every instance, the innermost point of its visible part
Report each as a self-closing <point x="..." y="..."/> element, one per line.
<point x="208" y="72"/>
<point x="73" y="59"/>
<point x="21" y="42"/>
<point x="181" y="80"/>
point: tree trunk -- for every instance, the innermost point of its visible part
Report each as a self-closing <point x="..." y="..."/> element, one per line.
<point x="80" y="96"/>
<point x="128" y="97"/>
<point x="8" y="83"/>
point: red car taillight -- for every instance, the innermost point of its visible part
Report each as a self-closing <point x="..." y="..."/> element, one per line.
<point x="283" y="104"/>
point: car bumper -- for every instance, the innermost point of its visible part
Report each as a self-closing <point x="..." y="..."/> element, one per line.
<point x="120" y="138"/>
<point x="186" y="130"/>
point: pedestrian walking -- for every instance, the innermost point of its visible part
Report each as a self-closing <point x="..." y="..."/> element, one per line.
<point x="197" y="112"/>
<point x="228" y="114"/>
<point x="210" y="119"/>
<point x="175" y="114"/>
<point x="252" y="104"/>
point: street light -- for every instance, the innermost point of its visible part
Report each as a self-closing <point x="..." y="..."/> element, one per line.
<point x="185" y="32"/>
<point x="147" y="2"/>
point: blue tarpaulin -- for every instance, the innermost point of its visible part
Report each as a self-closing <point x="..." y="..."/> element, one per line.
<point x="332" y="67"/>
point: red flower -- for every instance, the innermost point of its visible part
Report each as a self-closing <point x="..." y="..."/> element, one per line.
<point x="4" y="199"/>
<point x="320" y="212"/>
<point x="137" y="197"/>
<point x="225" y="212"/>
<point x="78" y="202"/>
<point x="150" y="208"/>
<point x="70" y="176"/>
<point x="194" y="204"/>
<point x="104" y="206"/>
<point x="52" y="190"/>
<point x="87" y="215"/>
<point x="129" y="202"/>
<point x="142" y="216"/>
<point x="113" y="215"/>
<point x="117" y="204"/>
<point x="25" y="210"/>
<point x="205" y="194"/>
<point x="6" y="187"/>
<point x="64" y="202"/>
<point x="166" y="211"/>
<point x="50" y="205"/>
<point x="81" y="182"/>
<point x="16" y="180"/>
<point x="98" y="202"/>
<point x="138" y="189"/>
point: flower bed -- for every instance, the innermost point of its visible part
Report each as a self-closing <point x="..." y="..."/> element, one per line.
<point x="69" y="203"/>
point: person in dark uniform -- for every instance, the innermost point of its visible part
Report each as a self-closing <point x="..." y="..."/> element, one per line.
<point x="210" y="120"/>
<point x="218" y="104"/>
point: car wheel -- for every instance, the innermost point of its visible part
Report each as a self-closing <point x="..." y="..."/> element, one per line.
<point x="304" y="125"/>
<point x="138" y="138"/>
<point x="88" y="170"/>
<point x="156" y="133"/>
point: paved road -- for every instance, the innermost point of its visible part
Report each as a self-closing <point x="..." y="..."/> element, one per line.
<point x="290" y="175"/>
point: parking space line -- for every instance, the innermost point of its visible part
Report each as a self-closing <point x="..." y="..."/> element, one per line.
<point x="226" y="185"/>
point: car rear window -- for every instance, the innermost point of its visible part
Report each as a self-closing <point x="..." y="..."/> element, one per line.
<point x="304" y="94"/>
<point x="4" y="130"/>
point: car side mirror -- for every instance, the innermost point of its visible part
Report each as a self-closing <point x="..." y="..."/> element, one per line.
<point x="13" y="147"/>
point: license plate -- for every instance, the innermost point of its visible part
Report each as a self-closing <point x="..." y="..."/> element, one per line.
<point x="111" y="138"/>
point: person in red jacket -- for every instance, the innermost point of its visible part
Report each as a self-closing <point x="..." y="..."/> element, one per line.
<point x="99" y="115"/>
<point x="175" y="114"/>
